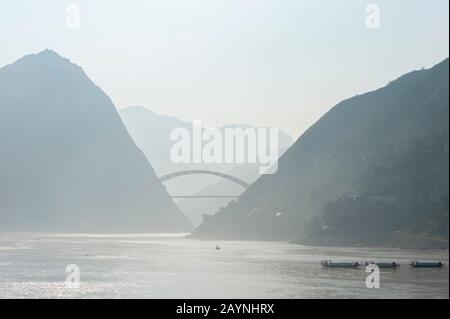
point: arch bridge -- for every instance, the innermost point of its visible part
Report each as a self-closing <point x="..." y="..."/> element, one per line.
<point x="179" y="174"/>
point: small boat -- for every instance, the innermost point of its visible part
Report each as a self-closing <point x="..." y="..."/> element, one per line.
<point x="217" y="247"/>
<point x="426" y="264"/>
<point x="339" y="264"/>
<point x="385" y="264"/>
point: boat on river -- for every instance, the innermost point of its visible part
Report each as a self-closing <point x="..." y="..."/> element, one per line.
<point x="339" y="264"/>
<point x="426" y="264"/>
<point x="384" y="264"/>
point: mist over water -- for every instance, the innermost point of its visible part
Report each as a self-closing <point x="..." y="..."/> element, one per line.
<point x="187" y="149"/>
<point x="171" y="266"/>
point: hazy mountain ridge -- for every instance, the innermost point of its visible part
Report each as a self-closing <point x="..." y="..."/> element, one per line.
<point x="151" y="133"/>
<point x="332" y="161"/>
<point x="68" y="163"/>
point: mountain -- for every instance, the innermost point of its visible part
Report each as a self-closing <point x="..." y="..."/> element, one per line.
<point x="67" y="162"/>
<point x="151" y="133"/>
<point x="197" y="209"/>
<point x="372" y="171"/>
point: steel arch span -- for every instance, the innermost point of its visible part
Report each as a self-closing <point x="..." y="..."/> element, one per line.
<point x="236" y="180"/>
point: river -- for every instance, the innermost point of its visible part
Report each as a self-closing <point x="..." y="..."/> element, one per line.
<point x="171" y="266"/>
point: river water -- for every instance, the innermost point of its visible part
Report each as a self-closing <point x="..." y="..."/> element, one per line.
<point x="171" y="266"/>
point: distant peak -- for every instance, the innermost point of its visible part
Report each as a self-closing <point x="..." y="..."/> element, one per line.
<point x="49" y="52"/>
<point x="43" y="60"/>
<point x="138" y="109"/>
<point x="50" y="55"/>
<point x="47" y="61"/>
<point x="46" y="56"/>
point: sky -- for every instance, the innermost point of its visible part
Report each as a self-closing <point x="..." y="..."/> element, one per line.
<point x="277" y="63"/>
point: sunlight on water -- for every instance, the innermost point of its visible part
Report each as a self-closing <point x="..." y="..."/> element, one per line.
<point x="171" y="266"/>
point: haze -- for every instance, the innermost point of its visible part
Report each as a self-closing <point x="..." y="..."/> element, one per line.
<point x="265" y="63"/>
